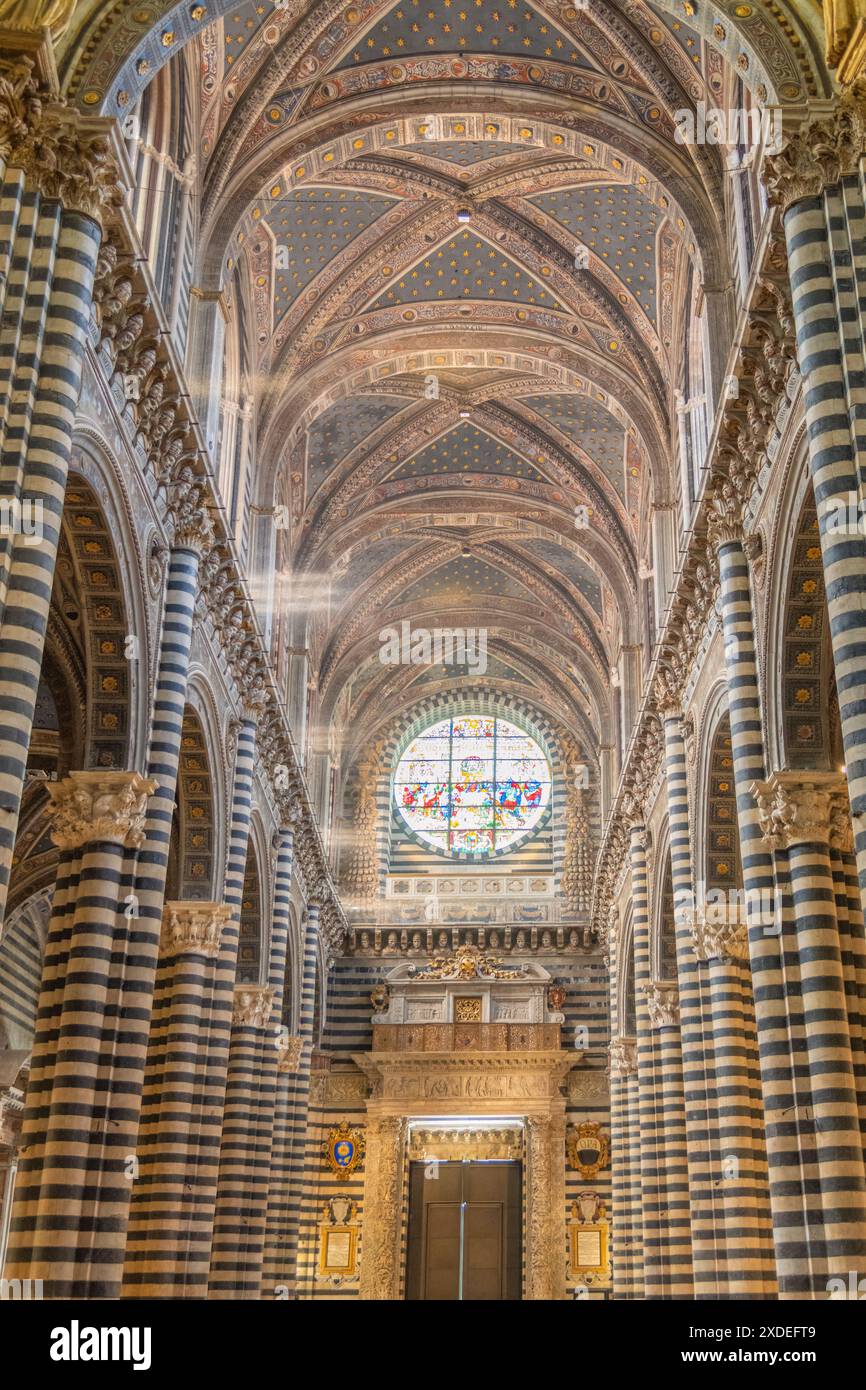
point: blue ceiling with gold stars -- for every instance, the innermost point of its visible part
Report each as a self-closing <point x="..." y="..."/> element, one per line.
<point x="616" y="222"/>
<point x="467" y="449"/>
<point x="465" y="153"/>
<point x="462" y="577"/>
<point x="466" y="267"/>
<point x="312" y="226"/>
<point x="341" y="428"/>
<point x="510" y="27"/>
<point x="570" y="566"/>
<point x="591" y="426"/>
<point x="688" y="39"/>
<point x="241" y="24"/>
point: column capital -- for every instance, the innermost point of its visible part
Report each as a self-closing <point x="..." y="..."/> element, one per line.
<point x="725" y="515"/>
<point x="828" y="146"/>
<point x="722" y="937"/>
<point x="88" y="806"/>
<point x="794" y="808"/>
<point x="623" y="1057"/>
<point x="668" y="695"/>
<point x="189" y="519"/>
<point x="193" y="926"/>
<point x="251" y="1006"/>
<point x="290" y="1049"/>
<point x="663" y="1003"/>
<point x="841" y="822"/>
<point x="65" y="156"/>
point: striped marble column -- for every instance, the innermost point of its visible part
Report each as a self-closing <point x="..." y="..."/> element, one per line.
<point x="771" y="952"/>
<point x="648" y="1076"/>
<point x="697" y="1058"/>
<point x="746" y="1268"/>
<point x="818" y="181"/>
<point x="245" y="1147"/>
<point x="231" y="1048"/>
<point x="300" y="1098"/>
<point x="38" y="452"/>
<point x="626" y="1231"/>
<point x="275" y="1275"/>
<point x="664" y="1020"/>
<point x="795" y="815"/>
<point x="170" y="1225"/>
<point x="637" y="1286"/>
<point x="852" y="940"/>
<point x="82" y="1111"/>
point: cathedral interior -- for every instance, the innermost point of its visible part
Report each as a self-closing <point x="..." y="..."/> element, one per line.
<point x="432" y="649"/>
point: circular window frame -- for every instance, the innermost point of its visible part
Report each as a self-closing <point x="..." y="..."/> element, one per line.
<point x="451" y="856"/>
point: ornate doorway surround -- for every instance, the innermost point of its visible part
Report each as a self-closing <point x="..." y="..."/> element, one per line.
<point x="439" y="1088"/>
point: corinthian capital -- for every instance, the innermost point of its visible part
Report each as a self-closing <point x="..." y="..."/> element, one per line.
<point x="725" y="517"/>
<point x="193" y="926"/>
<point x="723" y="938"/>
<point x="290" y="1050"/>
<point x="252" y="1006"/>
<point x="623" y="1057"/>
<point x="663" y="1004"/>
<point x="89" y="806"/>
<point x="61" y="155"/>
<point x="794" y="808"/>
<point x="824" y="150"/>
<point x="191" y="523"/>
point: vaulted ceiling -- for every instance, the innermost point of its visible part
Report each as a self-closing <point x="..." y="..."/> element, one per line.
<point x="467" y="232"/>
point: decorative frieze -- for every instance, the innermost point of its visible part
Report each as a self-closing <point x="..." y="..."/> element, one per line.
<point x="194" y="927"/>
<point x="99" y="806"/>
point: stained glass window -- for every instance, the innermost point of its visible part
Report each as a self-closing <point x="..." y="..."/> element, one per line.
<point x="472" y="786"/>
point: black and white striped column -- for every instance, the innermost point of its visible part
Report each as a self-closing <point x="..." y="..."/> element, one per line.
<point x="83" y="1102"/>
<point x="300" y="1096"/>
<point x="795" y="814"/>
<point x="626" y="1232"/>
<point x="652" y="1196"/>
<point x="675" y="1222"/>
<point x="772" y="952"/>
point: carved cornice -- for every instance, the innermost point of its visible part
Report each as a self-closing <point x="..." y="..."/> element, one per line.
<point x="91" y="806"/>
<point x="193" y="926"/>
<point x="796" y="808"/>
<point x="663" y="1004"/>
<point x="251" y="1006"/>
<point x="825" y="149"/>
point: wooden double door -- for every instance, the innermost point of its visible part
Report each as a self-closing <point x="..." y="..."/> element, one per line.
<point x="465" y="1225"/>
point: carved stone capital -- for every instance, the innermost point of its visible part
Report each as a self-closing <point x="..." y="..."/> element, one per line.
<point x="190" y="521"/>
<point x="291" y="1049"/>
<point x="723" y="937"/>
<point x="725" y="516"/>
<point x="794" y="807"/>
<point x="668" y="694"/>
<point x="89" y="806"/>
<point x="194" y="927"/>
<point x="841" y="824"/>
<point x="663" y="1004"/>
<point x="623" y="1057"/>
<point x="252" y="1006"/>
<point x="823" y="151"/>
<point x="61" y="156"/>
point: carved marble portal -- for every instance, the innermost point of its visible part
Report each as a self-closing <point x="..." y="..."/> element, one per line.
<point x="409" y="1089"/>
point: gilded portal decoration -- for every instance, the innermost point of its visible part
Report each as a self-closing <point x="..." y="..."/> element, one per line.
<point x="344" y="1149"/>
<point x="587" y="1150"/>
<point x="467" y="963"/>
